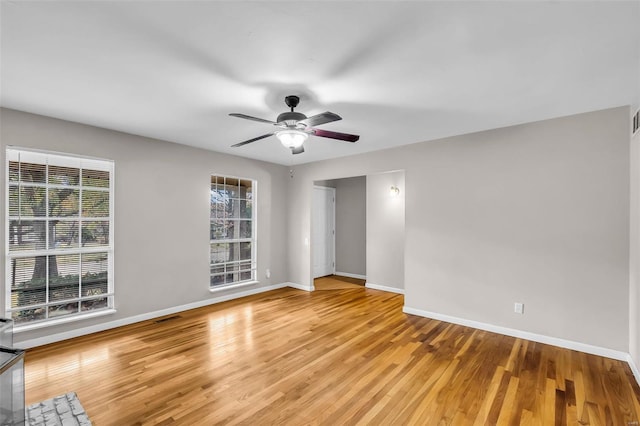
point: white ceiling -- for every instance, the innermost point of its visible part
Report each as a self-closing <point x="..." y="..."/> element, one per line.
<point x="397" y="72"/>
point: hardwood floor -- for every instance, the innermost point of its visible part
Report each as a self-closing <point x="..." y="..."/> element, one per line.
<point x="334" y="357"/>
<point x="335" y="282"/>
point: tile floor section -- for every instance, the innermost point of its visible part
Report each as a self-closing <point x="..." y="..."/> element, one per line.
<point x="63" y="410"/>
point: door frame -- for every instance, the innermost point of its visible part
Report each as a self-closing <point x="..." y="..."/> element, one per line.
<point x="333" y="221"/>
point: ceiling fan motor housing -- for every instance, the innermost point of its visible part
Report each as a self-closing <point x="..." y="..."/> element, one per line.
<point x="291" y="118"/>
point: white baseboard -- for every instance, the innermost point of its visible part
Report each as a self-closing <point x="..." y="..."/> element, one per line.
<point x="300" y="286"/>
<point x="555" y="341"/>
<point x="31" y="343"/>
<point x="350" y="275"/>
<point x="634" y="368"/>
<point x="384" y="288"/>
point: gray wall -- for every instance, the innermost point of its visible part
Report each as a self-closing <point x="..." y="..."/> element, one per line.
<point x="634" y="244"/>
<point x="385" y="230"/>
<point x="634" y="255"/>
<point x="536" y="213"/>
<point x="351" y="225"/>
<point x="161" y="212"/>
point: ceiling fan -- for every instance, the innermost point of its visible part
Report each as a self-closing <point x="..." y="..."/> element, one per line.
<point x="294" y="127"/>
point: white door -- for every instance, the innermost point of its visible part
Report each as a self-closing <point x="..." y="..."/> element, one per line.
<point x="323" y="231"/>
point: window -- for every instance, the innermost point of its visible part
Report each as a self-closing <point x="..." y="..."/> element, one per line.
<point x="232" y="231"/>
<point x="59" y="244"/>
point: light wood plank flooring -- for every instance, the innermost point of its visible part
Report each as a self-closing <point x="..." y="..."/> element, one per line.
<point x="335" y="357"/>
<point x="334" y="282"/>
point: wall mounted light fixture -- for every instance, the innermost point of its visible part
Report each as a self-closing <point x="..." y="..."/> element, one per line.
<point x="394" y="191"/>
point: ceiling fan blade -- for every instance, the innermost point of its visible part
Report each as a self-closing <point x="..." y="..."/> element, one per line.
<point x="248" y="117"/>
<point x="298" y="150"/>
<point x="335" y="135"/>
<point x="251" y="140"/>
<point x="316" y="120"/>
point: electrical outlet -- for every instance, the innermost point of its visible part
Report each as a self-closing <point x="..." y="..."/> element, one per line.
<point x="518" y="308"/>
<point x="268" y="273"/>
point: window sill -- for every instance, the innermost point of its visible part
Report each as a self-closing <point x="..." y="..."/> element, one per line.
<point x="232" y="286"/>
<point x="44" y="324"/>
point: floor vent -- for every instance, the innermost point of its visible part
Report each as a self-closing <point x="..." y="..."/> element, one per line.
<point x="167" y="319"/>
<point x="636" y="122"/>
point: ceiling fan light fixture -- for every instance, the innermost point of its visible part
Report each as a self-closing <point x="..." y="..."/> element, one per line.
<point x="293" y="128"/>
<point x="292" y="138"/>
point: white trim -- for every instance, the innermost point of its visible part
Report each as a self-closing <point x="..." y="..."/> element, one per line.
<point x="349" y="275"/>
<point x="52" y="338"/>
<point x="63" y="320"/>
<point x="332" y="191"/>
<point x="218" y="289"/>
<point x="301" y="287"/>
<point x="384" y="288"/>
<point x="56" y="252"/>
<point x="555" y="341"/>
<point x="634" y="368"/>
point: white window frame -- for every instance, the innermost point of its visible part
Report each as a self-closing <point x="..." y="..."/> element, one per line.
<point x="253" y="240"/>
<point x="69" y="160"/>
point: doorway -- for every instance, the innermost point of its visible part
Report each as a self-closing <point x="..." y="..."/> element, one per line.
<point x="369" y="226"/>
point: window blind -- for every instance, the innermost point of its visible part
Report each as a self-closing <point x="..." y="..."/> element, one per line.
<point x="59" y="240"/>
